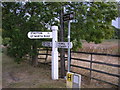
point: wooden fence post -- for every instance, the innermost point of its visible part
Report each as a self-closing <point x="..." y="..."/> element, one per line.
<point x="90" y="66"/>
<point x="118" y="41"/>
<point x="119" y="73"/>
<point x="46" y="56"/>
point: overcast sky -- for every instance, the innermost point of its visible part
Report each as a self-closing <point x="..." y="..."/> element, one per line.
<point x="116" y="22"/>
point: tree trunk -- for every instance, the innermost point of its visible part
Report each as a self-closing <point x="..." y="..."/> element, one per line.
<point x="62" y="52"/>
<point x="34" y="56"/>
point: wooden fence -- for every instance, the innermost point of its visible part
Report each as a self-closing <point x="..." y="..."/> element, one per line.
<point x="91" y="62"/>
<point x="97" y="62"/>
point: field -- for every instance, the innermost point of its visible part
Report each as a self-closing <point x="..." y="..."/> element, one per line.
<point x="109" y="69"/>
<point x="109" y="47"/>
<point x="25" y="76"/>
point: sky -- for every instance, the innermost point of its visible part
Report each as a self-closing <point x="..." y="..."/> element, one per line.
<point x="116" y="22"/>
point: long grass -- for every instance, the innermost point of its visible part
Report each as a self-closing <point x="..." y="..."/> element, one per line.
<point x="25" y="76"/>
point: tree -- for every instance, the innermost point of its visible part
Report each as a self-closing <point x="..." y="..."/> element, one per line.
<point x="93" y="20"/>
<point x="18" y="20"/>
<point x="93" y="23"/>
<point x="116" y="33"/>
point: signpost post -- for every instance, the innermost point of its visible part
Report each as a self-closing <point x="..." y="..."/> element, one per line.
<point x="54" y="53"/>
<point x="68" y="17"/>
<point x="73" y="80"/>
<point x="68" y="46"/>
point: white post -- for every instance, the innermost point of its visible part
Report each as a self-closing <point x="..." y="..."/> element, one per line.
<point x="68" y="46"/>
<point x="54" y="53"/>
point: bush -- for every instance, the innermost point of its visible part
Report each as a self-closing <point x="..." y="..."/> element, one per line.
<point x="116" y="34"/>
<point x="6" y="41"/>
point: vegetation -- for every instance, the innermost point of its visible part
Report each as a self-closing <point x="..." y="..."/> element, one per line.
<point x="117" y="33"/>
<point x="24" y="76"/>
<point x="93" y="23"/>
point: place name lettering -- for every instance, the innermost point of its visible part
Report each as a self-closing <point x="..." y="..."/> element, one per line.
<point x="40" y="36"/>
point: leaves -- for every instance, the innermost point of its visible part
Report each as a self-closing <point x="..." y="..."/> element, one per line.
<point x="94" y="22"/>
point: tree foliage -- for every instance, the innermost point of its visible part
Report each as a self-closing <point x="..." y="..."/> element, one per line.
<point x="18" y="18"/>
<point x="116" y="33"/>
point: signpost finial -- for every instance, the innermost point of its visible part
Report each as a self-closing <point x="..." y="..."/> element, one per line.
<point x="54" y="27"/>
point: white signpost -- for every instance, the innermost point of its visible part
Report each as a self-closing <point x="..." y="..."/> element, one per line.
<point x="55" y="45"/>
<point x="54" y="53"/>
<point x="53" y="35"/>
<point x="39" y="35"/>
<point x="72" y="80"/>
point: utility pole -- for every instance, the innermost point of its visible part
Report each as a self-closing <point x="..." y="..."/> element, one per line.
<point x="62" y="51"/>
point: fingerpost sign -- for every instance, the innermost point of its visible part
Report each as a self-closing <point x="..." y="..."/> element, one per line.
<point x="39" y="35"/>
